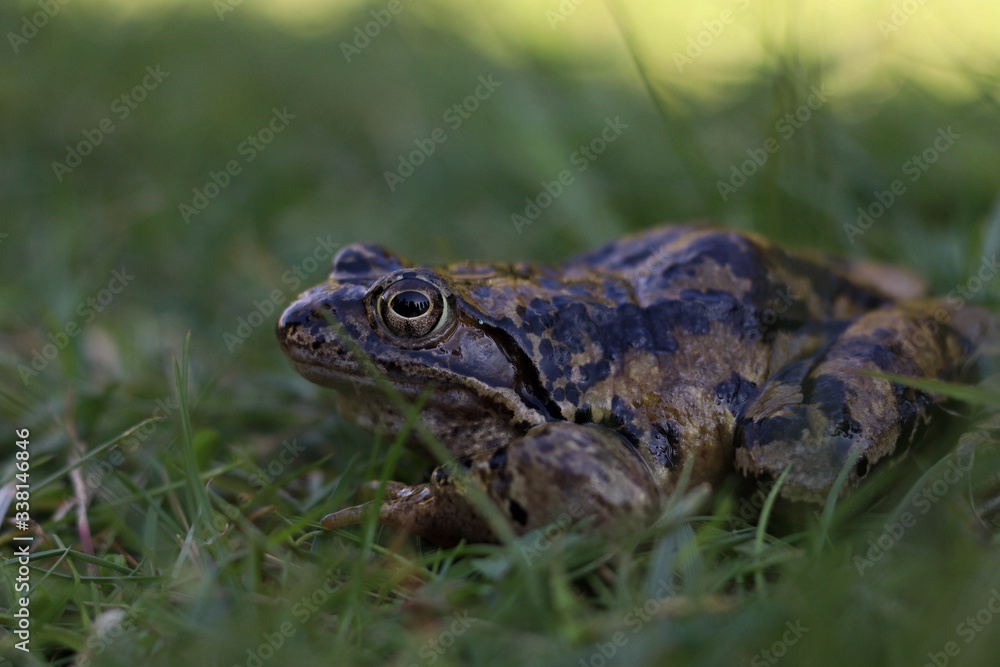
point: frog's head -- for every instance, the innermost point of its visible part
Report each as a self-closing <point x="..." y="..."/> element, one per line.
<point x="379" y="321"/>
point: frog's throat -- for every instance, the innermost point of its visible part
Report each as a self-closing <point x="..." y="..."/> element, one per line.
<point x="464" y="428"/>
<point x="464" y="416"/>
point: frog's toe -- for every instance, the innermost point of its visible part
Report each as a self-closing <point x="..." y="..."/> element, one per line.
<point x="438" y="513"/>
<point x="397" y="500"/>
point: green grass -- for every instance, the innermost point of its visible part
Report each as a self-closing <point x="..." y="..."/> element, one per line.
<point x="206" y="462"/>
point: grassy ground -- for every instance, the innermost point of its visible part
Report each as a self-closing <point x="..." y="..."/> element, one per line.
<point x="204" y="472"/>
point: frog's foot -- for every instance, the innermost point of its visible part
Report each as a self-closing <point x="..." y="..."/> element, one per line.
<point x="818" y="413"/>
<point x="556" y="473"/>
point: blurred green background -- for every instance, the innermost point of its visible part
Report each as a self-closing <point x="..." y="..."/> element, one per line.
<point x="560" y="77"/>
<point x="120" y="120"/>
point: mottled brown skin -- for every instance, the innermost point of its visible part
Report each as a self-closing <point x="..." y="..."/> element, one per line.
<point x="583" y="390"/>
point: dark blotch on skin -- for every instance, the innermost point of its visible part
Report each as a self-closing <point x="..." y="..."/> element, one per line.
<point x="739" y="254"/>
<point x="549" y="362"/>
<point x="498" y="459"/>
<point x="880" y="354"/>
<point x="352" y="263"/>
<point x="829" y="394"/>
<point x="771" y="429"/>
<point x="517" y="512"/>
<point x="910" y="403"/>
<point x="735" y="391"/>
<point x="691" y="316"/>
<point x="621" y="414"/>
<point x="663" y="446"/>
<point x="573" y="327"/>
<point x="593" y="373"/>
<point x="633" y="328"/>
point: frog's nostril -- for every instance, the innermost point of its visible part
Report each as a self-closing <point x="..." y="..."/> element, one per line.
<point x="300" y="313"/>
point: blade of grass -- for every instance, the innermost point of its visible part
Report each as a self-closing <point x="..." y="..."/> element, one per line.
<point x="826" y="518"/>
<point x="198" y="503"/>
<point x="968" y="393"/>
<point x="765" y="515"/>
<point x="104" y="446"/>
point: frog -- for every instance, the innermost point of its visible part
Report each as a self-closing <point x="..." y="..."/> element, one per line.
<point x="592" y="390"/>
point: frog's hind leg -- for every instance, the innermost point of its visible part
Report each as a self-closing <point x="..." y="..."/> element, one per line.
<point x="818" y="413"/>
<point x="557" y="472"/>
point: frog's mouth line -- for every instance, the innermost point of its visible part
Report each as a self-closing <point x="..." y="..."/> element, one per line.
<point x="316" y="371"/>
<point x="357" y="386"/>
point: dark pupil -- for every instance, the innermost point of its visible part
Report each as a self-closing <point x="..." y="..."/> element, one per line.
<point x="410" y="304"/>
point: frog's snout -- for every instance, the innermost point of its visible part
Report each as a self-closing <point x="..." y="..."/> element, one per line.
<point x="293" y="326"/>
<point x="301" y="314"/>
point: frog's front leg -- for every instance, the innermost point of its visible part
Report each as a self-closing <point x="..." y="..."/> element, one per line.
<point x="557" y="472"/>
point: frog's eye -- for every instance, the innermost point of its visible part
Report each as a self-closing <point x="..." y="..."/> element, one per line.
<point x="413" y="309"/>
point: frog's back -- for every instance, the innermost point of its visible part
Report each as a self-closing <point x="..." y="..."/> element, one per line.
<point x="720" y="311"/>
<point x="685" y="261"/>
